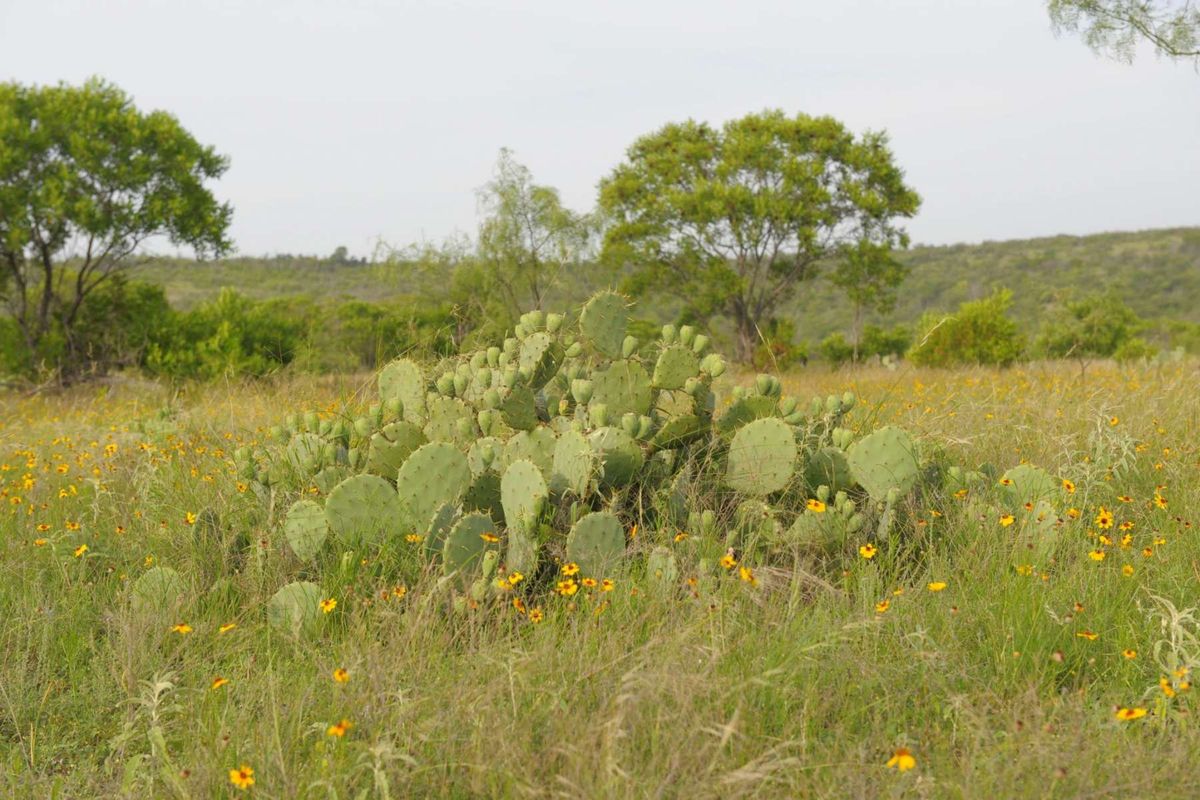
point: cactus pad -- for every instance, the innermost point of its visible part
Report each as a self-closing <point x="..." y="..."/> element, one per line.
<point x="437" y="474"/>
<point x="623" y="388"/>
<point x="675" y="365"/>
<point x="762" y="457"/>
<point x="364" y="507"/>
<point x="828" y="467"/>
<point x="523" y="494"/>
<point x="305" y="528"/>
<point x="390" y="446"/>
<point x="596" y="543"/>
<point x="883" y="461"/>
<point x="402" y="380"/>
<point x="619" y="455"/>
<point x="158" y="589"/>
<point x="573" y="461"/>
<point x="464" y="545"/>
<point x="603" y="321"/>
<point x="294" y="608"/>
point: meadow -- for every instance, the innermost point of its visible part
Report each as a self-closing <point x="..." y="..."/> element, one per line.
<point x="944" y="665"/>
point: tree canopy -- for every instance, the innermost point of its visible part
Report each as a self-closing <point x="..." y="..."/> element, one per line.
<point x="732" y="220"/>
<point x="85" y="179"/>
<point x="1115" y="27"/>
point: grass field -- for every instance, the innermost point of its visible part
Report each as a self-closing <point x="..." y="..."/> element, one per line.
<point x="1007" y="682"/>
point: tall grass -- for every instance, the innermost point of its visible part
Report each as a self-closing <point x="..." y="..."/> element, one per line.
<point x="794" y="687"/>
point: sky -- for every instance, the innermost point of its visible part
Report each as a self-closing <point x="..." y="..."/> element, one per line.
<point x="349" y="122"/>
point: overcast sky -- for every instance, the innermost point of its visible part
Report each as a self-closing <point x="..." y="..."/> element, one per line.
<point x="351" y="120"/>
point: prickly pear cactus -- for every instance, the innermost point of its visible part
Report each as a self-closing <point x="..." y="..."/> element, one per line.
<point x="884" y="461"/>
<point x="295" y="608"/>
<point x="364" y="508"/>
<point x="436" y="475"/>
<point x="596" y="543"/>
<point x="403" y="380"/>
<point x="523" y="494"/>
<point x="1026" y="483"/>
<point x="305" y="529"/>
<point x="158" y="589"/>
<point x="462" y="552"/>
<point x="603" y="321"/>
<point x="762" y="457"/>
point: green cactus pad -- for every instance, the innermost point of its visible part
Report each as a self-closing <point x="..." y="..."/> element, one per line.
<point x="294" y="608"/>
<point x="464" y="546"/>
<point x="519" y="409"/>
<point x="661" y="568"/>
<point x="305" y="529"/>
<point x="680" y="431"/>
<point x="623" y="388"/>
<point x="523" y="494"/>
<point x="596" y="543"/>
<point x="485" y="454"/>
<point x="403" y="380"/>
<point x="746" y="410"/>
<point x="522" y="552"/>
<point x="675" y="365"/>
<point x="437" y="474"/>
<point x="364" y="508"/>
<point x="573" y="464"/>
<point x="304" y="453"/>
<point x="1026" y="483"/>
<point x="330" y="477"/>
<point x="883" y="461"/>
<point x="484" y="495"/>
<point x="603" y="321"/>
<point x="762" y="457"/>
<point x="539" y="358"/>
<point x="536" y="445"/>
<point x="450" y="420"/>
<point x="390" y="446"/>
<point x="619" y="456"/>
<point x="158" y="589"/>
<point x="828" y="467"/>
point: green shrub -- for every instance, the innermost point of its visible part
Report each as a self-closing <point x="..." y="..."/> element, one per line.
<point x="883" y="342"/>
<point x="777" y="350"/>
<point x="835" y="349"/>
<point x="979" y="332"/>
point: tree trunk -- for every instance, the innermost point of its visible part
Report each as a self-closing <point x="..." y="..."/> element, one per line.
<point x="856" y="333"/>
<point x="747" y="334"/>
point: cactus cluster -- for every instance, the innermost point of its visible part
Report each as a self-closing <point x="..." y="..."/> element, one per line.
<point x="556" y="443"/>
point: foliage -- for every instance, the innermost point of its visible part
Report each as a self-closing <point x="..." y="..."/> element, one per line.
<point x="84" y="173"/>
<point x="777" y="349"/>
<point x="1116" y="27"/>
<point x="732" y="220"/>
<point x="528" y="241"/>
<point x="1093" y="326"/>
<point x="979" y="332"/>
<point x="869" y="276"/>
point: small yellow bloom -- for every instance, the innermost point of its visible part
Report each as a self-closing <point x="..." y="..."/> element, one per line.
<point x="937" y="586"/>
<point x="1104" y="518"/>
<point x="1068" y="486"/>
<point x="607" y="585"/>
<point x="679" y="537"/>
<point x="1129" y="653"/>
<point x="227" y="627"/>
<point x="1073" y="513"/>
<point x="339" y="729"/>
<point x="79" y="551"/>
<point x="1097" y="555"/>
<point x="182" y="628"/>
<point x="882" y="606"/>
<point x="588" y="583"/>
<point x="414" y="538"/>
<point x="1114" y="421"/>
<point x="867" y="551"/>
<point x="536" y="615"/>
<point x="39" y="542"/>
<point x="1127" y="714"/>
<point x="328" y="605"/>
<point x="1089" y="635"/>
<point x="242" y="777"/>
<point x="1127" y="570"/>
<point x="519" y="605"/>
<point x="902" y="760"/>
<point x="747" y="575"/>
<point x="570" y="568"/>
<point x="341" y="675"/>
<point x="218" y="682"/>
<point x="490" y="538"/>
<point x="567" y="587"/>
<point x="514" y="578"/>
<point x="189" y="518"/>
<point x="1006" y="520"/>
<point x="1166" y="687"/>
<point x="815" y="506"/>
<point x="728" y="561"/>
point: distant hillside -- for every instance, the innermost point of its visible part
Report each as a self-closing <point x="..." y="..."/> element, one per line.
<point x="1157" y="271"/>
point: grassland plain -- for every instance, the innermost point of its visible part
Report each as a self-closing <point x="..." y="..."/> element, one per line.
<point x="998" y="677"/>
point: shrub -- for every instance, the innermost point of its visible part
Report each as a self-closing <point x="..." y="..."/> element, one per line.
<point x="979" y="332"/>
<point x="835" y="349"/>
